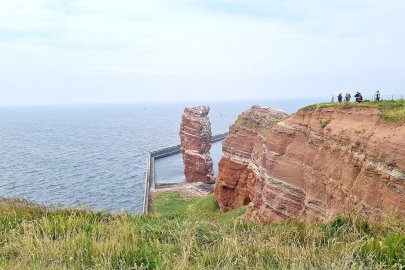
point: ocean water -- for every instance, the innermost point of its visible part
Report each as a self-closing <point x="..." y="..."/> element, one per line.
<point x="94" y="156"/>
<point x="170" y="169"/>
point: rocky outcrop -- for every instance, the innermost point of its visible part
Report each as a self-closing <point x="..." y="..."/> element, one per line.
<point x="321" y="163"/>
<point x="236" y="181"/>
<point x="195" y="137"/>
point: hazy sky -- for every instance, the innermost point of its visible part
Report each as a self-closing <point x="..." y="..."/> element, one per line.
<point x="98" y="51"/>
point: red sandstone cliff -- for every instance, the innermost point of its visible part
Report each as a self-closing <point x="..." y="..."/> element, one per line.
<point x="195" y="137"/>
<point x="235" y="182"/>
<point x="320" y="163"/>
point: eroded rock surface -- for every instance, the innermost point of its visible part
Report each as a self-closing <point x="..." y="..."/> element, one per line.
<point x="320" y="163"/>
<point x="236" y="181"/>
<point x="195" y="137"/>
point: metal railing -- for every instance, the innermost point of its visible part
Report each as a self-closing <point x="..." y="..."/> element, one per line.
<point x="387" y="97"/>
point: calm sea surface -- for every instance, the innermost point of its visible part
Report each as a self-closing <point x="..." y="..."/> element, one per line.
<point x="95" y="156"/>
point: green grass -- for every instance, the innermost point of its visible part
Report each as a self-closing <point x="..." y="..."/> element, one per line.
<point x="251" y="124"/>
<point x="391" y="111"/>
<point x="243" y="121"/>
<point x="326" y="122"/>
<point x="189" y="233"/>
<point x="193" y="208"/>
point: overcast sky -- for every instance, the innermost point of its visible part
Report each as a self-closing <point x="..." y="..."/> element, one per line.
<point x="107" y="51"/>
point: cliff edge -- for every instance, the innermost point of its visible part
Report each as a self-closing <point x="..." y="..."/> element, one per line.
<point x="317" y="164"/>
<point x="236" y="180"/>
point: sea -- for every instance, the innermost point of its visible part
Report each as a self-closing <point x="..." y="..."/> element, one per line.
<point x="94" y="156"/>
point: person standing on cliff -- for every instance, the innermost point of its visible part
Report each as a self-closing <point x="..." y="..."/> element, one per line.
<point x="348" y="97"/>
<point x="340" y="97"/>
<point x="359" y="97"/>
<point x="377" y="95"/>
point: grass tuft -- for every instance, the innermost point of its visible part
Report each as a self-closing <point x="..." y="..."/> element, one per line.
<point x="324" y="123"/>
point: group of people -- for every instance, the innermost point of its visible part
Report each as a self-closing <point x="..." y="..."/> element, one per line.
<point x="358" y="96"/>
<point x="347" y="97"/>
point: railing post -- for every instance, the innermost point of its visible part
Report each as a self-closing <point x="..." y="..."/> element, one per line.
<point x="147" y="185"/>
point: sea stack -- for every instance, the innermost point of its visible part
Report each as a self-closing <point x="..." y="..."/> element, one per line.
<point x="195" y="137"/>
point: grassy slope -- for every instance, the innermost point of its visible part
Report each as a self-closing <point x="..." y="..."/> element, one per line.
<point x="189" y="233"/>
<point x="391" y="111"/>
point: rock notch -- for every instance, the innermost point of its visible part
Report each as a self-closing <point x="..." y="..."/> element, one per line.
<point x="195" y="137"/>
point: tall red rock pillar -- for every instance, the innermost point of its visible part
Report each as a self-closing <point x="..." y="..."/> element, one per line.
<point x="195" y="137"/>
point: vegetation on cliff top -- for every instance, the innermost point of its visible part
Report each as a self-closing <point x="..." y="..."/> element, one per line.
<point x="189" y="233"/>
<point x="249" y="123"/>
<point x="391" y="110"/>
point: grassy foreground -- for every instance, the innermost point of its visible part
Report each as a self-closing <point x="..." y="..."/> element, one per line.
<point x="189" y="233"/>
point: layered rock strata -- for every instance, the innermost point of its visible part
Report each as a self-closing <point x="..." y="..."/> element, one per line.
<point x="236" y="180"/>
<point x="321" y="163"/>
<point x="195" y="137"/>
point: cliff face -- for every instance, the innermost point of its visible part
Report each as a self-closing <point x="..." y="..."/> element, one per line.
<point x="235" y="182"/>
<point x="319" y="163"/>
<point x="195" y="137"/>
